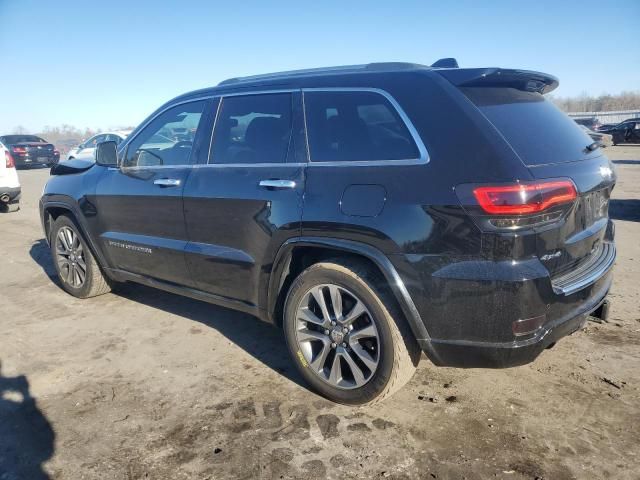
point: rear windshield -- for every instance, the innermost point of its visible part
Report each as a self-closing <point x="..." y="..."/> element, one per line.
<point x="12" y="139"/>
<point x="535" y="128"/>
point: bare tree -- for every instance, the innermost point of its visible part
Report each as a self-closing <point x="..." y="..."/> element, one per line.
<point x="602" y="103"/>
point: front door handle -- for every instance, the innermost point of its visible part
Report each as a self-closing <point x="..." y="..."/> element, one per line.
<point x="167" y="182"/>
<point x="279" y="184"/>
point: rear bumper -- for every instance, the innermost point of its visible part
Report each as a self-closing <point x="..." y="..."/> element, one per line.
<point x="29" y="161"/>
<point x="10" y="193"/>
<point x="473" y="354"/>
<point x="469" y="307"/>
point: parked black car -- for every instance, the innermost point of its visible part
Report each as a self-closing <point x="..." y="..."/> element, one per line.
<point x="373" y="212"/>
<point x="30" y="150"/>
<point x="624" y="132"/>
<point x="592" y="123"/>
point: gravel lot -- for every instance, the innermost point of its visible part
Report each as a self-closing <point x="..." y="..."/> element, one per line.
<point x="146" y="384"/>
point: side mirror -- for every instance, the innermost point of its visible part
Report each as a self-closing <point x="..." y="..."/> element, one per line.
<point x="107" y="154"/>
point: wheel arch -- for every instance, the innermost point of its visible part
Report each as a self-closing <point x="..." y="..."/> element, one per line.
<point x="297" y="254"/>
<point x="53" y="209"/>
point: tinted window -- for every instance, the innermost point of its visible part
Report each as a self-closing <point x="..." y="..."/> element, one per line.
<point x="253" y="129"/>
<point x="11" y="139"/>
<point x="168" y="139"/>
<point x="93" y="141"/>
<point x="535" y="128"/>
<point x="354" y="126"/>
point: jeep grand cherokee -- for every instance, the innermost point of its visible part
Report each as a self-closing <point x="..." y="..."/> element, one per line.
<point x="374" y="212"/>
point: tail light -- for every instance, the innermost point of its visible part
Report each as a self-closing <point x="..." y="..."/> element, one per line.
<point x="522" y="199"/>
<point x="19" y="149"/>
<point x="518" y="205"/>
<point x="9" y="159"/>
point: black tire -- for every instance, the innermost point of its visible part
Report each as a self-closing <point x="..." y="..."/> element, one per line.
<point x="9" y="208"/>
<point x="399" y="352"/>
<point x="94" y="282"/>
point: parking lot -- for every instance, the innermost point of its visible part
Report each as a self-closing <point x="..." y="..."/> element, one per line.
<point x="146" y="384"/>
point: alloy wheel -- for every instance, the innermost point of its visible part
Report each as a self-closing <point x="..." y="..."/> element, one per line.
<point x="337" y="336"/>
<point x="70" y="257"/>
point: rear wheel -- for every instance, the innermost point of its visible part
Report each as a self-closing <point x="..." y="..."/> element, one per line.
<point x="346" y="335"/>
<point x="77" y="269"/>
<point x="8" y="208"/>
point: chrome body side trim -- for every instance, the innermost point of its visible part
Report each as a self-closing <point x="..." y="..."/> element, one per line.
<point x="421" y="160"/>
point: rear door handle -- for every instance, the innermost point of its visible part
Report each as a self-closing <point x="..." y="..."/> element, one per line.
<point x="167" y="182"/>
<point x="279" y="184"/>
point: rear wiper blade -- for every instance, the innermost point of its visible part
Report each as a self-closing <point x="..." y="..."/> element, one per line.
<point x="594" y="146"/>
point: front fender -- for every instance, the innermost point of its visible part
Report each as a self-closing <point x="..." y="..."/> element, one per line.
<point x="77" y="210"/>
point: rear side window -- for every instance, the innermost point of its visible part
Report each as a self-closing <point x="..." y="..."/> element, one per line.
<point x="253" y="129"/>
<point x="345" y="126"/>
<point x="535" y="128"/>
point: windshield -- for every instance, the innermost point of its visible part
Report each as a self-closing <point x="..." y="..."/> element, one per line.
<point x="12" y="139"/>
<point x="535" y="128"/>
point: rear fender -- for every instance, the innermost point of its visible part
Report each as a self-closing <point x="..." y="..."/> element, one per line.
<point x="397" y="286"/>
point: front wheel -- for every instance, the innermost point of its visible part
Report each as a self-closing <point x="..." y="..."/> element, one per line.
<point x="346" y="334"/>
<point x="77" y="269"/>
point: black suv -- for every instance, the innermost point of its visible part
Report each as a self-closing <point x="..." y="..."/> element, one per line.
<point x="373" y="212"/>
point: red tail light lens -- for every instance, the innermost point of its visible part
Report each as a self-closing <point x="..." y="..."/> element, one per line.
<point x="19" y="149"/>
<point x="9" y="159"/>
<point x="522" y="199"/>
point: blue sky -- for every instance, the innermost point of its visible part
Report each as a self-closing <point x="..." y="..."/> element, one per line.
<point x="110" y="63"/>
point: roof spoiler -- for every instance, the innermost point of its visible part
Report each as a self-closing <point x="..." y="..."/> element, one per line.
<point x="525" y="80"/>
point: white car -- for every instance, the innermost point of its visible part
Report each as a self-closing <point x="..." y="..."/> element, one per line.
<point x="86" y="150"/>
<point x="9" y="183"/>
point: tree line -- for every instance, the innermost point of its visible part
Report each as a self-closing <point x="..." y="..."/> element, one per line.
<point x="602" y="103"/>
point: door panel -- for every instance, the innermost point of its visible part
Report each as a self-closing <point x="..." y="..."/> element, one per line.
<point x="140" y="204"/>
<point x="142" y="224"/>
<point x="235" y="225"/>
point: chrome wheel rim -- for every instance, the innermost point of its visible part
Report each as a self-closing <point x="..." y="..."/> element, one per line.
<point x="337" y="336"/>
<point x="70" y="257"/>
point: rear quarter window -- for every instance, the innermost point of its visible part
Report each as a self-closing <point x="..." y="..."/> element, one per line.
<point x="535" y="128"/>
<point x="347" y="126"/>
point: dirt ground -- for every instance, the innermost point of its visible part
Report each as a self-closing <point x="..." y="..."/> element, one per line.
<point x="146" y="384"/>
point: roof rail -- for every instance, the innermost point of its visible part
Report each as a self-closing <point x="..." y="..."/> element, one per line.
<point x="381" y="66"/>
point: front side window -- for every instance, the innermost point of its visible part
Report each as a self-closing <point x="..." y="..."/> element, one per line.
<point x="253" y="129"/>
<point x="345" y="126"/>
<point x="168" y="139"/>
